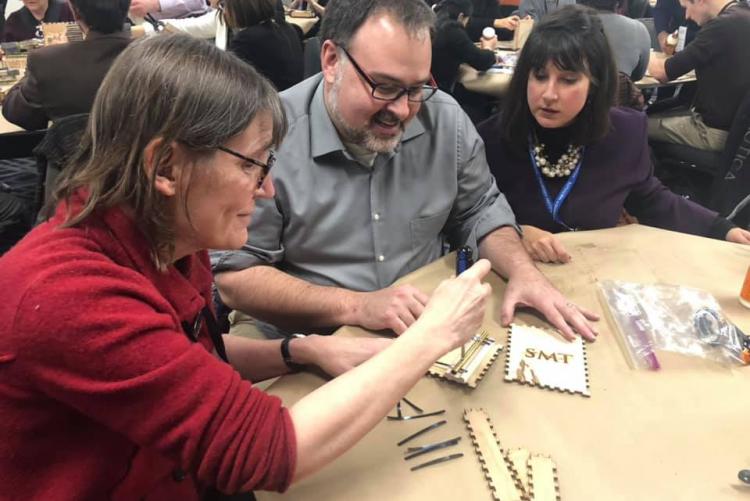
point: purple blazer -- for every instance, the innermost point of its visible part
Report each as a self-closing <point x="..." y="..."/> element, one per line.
<point x="616" y="173"/>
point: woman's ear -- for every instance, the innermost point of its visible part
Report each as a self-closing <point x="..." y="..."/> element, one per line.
<point x="164" y="178"/>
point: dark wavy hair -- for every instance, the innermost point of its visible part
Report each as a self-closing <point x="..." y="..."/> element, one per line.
<point x="103" y="16"/>
<point x="450" y="9"/>
<point x="240" y="14"/>
<point x="573" y="39"/>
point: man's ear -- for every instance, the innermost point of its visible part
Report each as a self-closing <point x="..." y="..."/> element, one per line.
<point x="165" y="180"/>
<point x="329" y="61"/>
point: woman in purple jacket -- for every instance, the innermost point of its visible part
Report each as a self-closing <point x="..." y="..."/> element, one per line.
<point x="565" y="158"/>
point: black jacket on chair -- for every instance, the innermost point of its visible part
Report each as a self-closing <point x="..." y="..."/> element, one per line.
<point x="274" y="49"/>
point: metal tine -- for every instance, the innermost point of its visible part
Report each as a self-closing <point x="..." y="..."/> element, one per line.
<point x="432" y="447"/>
<point x="437" y="461"/>
<point x="413" y="405"/>
<point x="422" y="431"/>
<point x="471" y="351"/>
<point x="407" y="418"/>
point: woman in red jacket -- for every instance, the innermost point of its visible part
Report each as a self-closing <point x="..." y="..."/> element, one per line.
<point x="111" y="379"/>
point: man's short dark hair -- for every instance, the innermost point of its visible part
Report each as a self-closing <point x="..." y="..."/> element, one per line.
<point x="102" y="16"/>
<point x="573" y="39"/>
<point x="344" y="17"/>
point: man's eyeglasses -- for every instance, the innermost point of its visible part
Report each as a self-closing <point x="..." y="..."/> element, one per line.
<point x="392" y="92"/>
<point x="265" y="167"/>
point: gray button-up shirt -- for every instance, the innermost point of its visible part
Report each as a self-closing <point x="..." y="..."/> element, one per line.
<point x="336" y="222"/>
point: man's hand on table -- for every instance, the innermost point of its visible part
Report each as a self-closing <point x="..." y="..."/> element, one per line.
<point x="739" y="236"/>
<point x="337" y="354"/>
<point x="530" y="288"/>
<point x="394" y="308"/>
<point x="139" y="8"/>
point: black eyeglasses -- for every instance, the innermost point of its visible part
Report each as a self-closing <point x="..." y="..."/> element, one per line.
<point x="266" y="167"/>
<point x="392" y="92"/>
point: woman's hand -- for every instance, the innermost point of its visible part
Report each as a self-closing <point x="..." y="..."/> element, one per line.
<point x="456" y="308"/>
<point x="739" y="236"/>
<point x="508" y="23"/>
<point x="488" y="43"/>
<point x="543" y="246"/>
<point x="319" y="9"/>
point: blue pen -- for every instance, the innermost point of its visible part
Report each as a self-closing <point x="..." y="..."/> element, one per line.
<point x="464" y="260"/>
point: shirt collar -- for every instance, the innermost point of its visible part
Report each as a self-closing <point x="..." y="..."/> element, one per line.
<point x="324" y="138"/>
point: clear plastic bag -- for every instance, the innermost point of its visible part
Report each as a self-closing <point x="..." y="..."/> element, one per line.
<point x="672" y="318"/>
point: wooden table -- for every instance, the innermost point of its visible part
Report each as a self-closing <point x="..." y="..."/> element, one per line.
<point x="305" y="23"/>
<point x="5" y="126"/>
<point x="496" y="84"/>
<point x="490" y="83"/>
<point x="677" y="434"/>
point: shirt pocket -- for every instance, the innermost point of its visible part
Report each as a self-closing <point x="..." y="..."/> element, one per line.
<point x="425" y="231"/>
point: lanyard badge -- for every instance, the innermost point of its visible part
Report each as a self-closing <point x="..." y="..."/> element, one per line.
<point x="553" y="207"/>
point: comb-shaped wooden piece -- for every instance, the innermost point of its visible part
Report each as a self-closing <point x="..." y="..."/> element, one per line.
<point x="542" y="478"/>
<point x="483" y="357"/>
<point x="519" y="459"/>
<point x="503" y="479"/>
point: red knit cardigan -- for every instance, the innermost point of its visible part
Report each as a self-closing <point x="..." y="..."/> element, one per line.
<point x="103" y="396"/>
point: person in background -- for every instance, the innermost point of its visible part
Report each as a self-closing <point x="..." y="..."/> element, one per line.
<point x="381" y="170"/>
<point x="317" y="6"/>
<point x="274" y="48"/>
<point x="167" y="9"/>
<point x="25" y="23"/>
<point x="566" y="159"/>
<point x="50" y="89"/>
<point x="116" y="383"/>
<point x="452" y="47"/>
<point x="718" y="54"/>
<point x="669" y="15"/>
<point x="488" y="13"/>
<point x="628" y="38"/>
<point x="2" y="17"/>
<point x="537" y="9"/>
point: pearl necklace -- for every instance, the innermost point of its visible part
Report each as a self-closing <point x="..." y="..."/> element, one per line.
<point x="564" y="165"/>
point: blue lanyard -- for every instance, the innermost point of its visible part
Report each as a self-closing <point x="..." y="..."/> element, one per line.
<point x="554" y="207"/>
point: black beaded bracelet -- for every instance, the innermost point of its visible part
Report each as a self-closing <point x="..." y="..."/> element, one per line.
<point x="287" y="357"/>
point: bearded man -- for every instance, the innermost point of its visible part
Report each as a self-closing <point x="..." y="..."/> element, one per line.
<point x="379" y="174"/>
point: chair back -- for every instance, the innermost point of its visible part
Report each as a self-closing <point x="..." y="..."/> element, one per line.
<point x="60" y="142"/>
<point x="311" y="57"/>
<point x="732" y="183"/>
<point x="628" y="95"/>
<point x="648" y="22"/>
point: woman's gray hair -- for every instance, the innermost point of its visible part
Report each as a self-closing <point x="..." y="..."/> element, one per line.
<point x="181" y="90"/>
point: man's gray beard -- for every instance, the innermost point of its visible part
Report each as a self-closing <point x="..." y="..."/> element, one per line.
<point x="361" y="137"/>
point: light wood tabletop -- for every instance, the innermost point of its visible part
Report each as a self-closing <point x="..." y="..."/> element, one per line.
<point x="679" y="433"/>
<point x="305" y="23"/>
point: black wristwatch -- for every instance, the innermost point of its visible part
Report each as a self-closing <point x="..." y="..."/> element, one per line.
<point x="287" y="357"/>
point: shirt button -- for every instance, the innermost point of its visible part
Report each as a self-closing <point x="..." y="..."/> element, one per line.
<point x="376" y="216"/>
<point x="178" y="475"/>
<point x="381" y="258"/>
